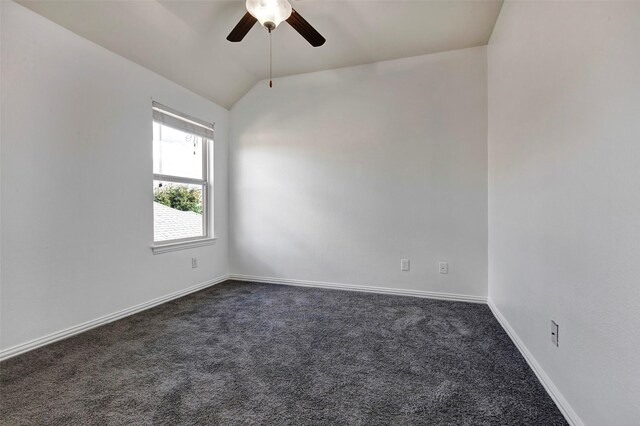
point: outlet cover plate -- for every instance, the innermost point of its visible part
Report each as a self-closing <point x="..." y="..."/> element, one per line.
<point x="554" y="333"/>
<point x="404" y="264"/>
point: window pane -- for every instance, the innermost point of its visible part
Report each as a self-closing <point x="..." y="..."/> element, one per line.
<point x="177" y="211"/>
<point x="177" y="153"/>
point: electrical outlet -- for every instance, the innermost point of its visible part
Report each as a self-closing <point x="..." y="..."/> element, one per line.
<point x="554" y="333"/>
<point x="404" y="264"/>
<point x="194" y="262"/>
<point x="443" y="267"/>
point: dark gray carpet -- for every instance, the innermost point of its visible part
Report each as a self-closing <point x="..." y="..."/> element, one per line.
<point x="243" y="353"/>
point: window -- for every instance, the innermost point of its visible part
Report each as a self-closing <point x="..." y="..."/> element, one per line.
<point x="181" y="190"/>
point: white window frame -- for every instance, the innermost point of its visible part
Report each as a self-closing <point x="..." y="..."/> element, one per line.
<point x="164" y="115"/>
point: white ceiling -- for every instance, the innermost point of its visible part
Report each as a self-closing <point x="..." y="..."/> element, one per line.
<point x="184" y="41"/>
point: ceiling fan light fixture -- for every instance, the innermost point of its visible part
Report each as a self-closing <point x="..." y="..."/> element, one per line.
<point x="270" y="13"/>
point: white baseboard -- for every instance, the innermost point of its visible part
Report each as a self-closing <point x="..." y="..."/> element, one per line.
<point x="77" y="329"/>
<point x="567" y="411"/>
<point x="362" y="288"/>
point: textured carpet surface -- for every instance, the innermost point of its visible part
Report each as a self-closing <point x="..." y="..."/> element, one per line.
<point x="246" y="353"/>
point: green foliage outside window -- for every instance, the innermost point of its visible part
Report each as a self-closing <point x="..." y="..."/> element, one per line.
<point x="179" y="197"/>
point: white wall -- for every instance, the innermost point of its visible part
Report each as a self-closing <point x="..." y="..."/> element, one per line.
<point x="337" y="175"/>
<point x="77" y="178"/>
<point x="564" y="195"/>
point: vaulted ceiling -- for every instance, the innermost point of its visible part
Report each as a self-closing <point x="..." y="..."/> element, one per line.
<point x="184" y="41"/>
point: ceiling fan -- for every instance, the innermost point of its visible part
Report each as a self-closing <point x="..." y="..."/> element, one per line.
<point x="270" y="14"/>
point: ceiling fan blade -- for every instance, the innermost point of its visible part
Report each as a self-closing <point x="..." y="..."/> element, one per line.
<point x="242" y="28"/>
<point x="305" y="29"/>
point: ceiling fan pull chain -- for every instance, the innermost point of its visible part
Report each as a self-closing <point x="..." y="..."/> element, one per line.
<point x="270" y="62"/>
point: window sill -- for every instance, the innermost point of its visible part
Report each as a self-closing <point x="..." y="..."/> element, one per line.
<point x="165" y="248"/>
